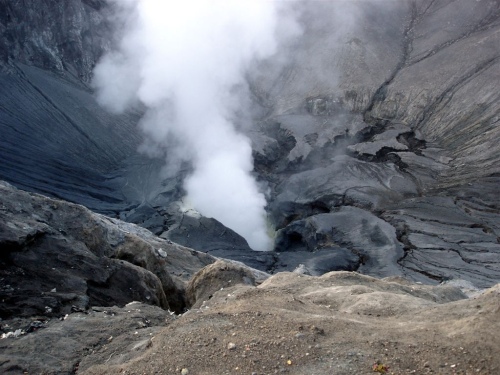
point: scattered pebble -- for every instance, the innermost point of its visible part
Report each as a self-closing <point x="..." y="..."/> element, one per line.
<point x="231" y="346"/>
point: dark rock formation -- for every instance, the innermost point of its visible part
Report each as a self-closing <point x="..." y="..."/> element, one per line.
<point x="82" y="339"/>
<point x="372" y="243"/>
<point x="454" y="237"/>
<point x="56" y="256"/>
<point x="67" y="37"/>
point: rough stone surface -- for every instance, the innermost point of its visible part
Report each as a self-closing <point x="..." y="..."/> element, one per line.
<point x="100" y="335"/>
<point x="339" y="323"/>
<point x="66" y="37"/>
<point x="56" y="256"/>
<point x="449" y="238"/>
<point x="374" y="247"/>
<point x="217" y="276"/>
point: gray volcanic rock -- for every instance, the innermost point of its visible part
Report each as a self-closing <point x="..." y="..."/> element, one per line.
<point x="388" y="139"/>
<point x="373" y="246"/>
<point x="211" y="237"/>
<point x="66" y="37"/>
<point x="344" y="314"/>
<point x="339" y="323"/>
<point x="421" y="135"/>
<point x="315" y="262"/>
<point x="449" y="238"/>
<point x="376" y="137"/>
<point x="353" y="47"/>
<point x="454" y="103"/>
<point x="321" y="189"/>
<point x="56" y="256"/>
<point x="189" y="228"/>
<point x="80" y="340"/>
<point x="56" y="139"/>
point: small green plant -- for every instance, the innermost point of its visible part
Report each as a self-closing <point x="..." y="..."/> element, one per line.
<point x="380" y="368"/>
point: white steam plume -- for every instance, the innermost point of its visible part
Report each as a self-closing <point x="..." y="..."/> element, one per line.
<point x="182" y="60"/>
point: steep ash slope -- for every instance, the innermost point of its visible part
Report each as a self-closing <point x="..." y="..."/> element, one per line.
<point x="55" y="138"/>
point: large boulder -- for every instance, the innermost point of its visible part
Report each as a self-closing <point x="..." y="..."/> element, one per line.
<point x="217" y="276"/>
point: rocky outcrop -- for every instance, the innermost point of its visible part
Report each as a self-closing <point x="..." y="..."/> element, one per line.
<point x="58" y="257"/>
<point x="217" y="276"/>
<point x="66" y="37"/>
<point x="81" y="339"/>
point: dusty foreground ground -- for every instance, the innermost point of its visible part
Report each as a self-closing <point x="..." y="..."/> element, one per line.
<point x="339" y="323"/>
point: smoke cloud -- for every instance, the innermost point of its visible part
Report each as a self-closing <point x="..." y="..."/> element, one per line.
<point x="183" y="60"/>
